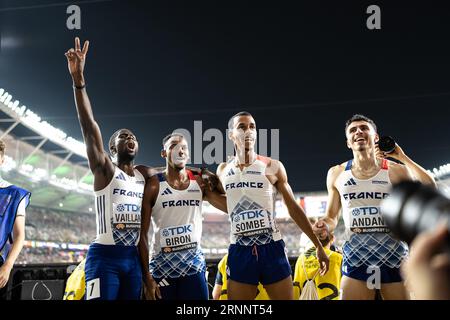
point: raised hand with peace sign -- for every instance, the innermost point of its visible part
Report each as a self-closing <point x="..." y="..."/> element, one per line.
<point x="76" y="59"/>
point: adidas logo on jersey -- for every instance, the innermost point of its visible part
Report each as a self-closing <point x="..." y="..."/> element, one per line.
<point x="121" y="176"/>
<point x="350" y="182"/>
<point x="163" y="283"/>
<point x="230" y="173"/>
<point x="166" y="192"/>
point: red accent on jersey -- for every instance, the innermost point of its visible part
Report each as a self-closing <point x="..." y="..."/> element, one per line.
<point x="263" y="159"/>
<point x="190" y="175"/>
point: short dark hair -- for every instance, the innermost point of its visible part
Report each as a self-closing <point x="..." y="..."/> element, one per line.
<point x="173" y="134"/>
<point x="359" y="117"/>
<point x="2" y="148"/>
<point x="114" y="136"/>
<point x="242" y="113"/>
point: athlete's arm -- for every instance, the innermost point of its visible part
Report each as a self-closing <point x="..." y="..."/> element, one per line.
<point x="417" y="172"/>
<point x="216" y="199"/>
<point x="19" y="238"/>
<point x="213" y="196"/>
<point x="148" y="172"/>
<point x="330" y="221"/>
<point x="219" y="171"/>
<point x="298" y="215"/>
<point x="99" y="162"/>
<point x="150" y="194"/>
<point x="218" y="283"/>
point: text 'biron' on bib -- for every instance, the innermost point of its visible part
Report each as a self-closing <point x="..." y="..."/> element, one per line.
<point x="178" y="238"/>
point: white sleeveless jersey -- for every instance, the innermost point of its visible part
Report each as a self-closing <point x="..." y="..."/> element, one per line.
<point x="368" y="238"/>
<point x="118" y="209"/>
<point x="177" y="226"/>
<point x="250" y="202"/>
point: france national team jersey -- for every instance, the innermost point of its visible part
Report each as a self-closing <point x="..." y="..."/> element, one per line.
<point x="177" y="225"/>
<point x="368" y="239"/>
<point x="118" y="209"/>
<point x="113" y="270"/>
<point x="251" y="203"/>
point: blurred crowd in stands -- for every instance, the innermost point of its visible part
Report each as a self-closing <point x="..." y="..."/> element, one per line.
<point x="62" y="227"/>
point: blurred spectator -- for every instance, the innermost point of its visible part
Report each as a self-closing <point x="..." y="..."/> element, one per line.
<point x="427" y="271"/>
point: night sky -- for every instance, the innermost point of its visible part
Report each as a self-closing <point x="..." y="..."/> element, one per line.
<point x="154" y="66"/>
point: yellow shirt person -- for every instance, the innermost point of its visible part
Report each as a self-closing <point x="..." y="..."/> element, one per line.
<point x="328" y="286"/>
<point x="76" y="286"/>
<point x="220" y="288"/>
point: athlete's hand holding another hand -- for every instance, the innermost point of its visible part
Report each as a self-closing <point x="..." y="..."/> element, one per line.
<point x="320" y="229"/>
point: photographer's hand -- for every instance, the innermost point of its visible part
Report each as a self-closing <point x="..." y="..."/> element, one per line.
<point x="427" y="270"/>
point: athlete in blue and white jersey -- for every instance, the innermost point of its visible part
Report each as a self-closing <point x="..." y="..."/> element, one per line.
<point x="370" y="253"/>
<point x="113" y="270"/>
<point x="257" y="251"/>
<point x="173" y="203"/>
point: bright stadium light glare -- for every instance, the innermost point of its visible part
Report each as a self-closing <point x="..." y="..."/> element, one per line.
<point x="61" y="205"/>
<point x="34" y="122"/>
<point x="8" y="164"/>
<point x="443" y="171"/>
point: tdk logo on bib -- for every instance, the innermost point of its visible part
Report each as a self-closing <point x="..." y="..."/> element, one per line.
<point x="365" y="211"/>
<point x="246" y="215"/>
<point x="132" y="194"/>
<point x="177" y="231"/>
<point x="130" y="207"/>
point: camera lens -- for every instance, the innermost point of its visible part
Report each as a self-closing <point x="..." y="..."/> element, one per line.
<point x="412" y="208"/>
<point x="386" y="144"/>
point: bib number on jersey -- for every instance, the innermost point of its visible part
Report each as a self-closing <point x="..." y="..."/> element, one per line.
<point x="93" y="289"/>
<point x="178" y="238"/>
<point x="367" y="220"/>
<point x="250" y="222"/>
<point x="126" y="216"/>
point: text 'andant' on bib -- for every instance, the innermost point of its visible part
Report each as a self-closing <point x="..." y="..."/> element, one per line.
<point x="367" y="220"/>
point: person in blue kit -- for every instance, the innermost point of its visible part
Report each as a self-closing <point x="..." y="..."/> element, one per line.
<point x="13" y="202"/>
<point x="113" y="269"/>
<point x="173" y="203"/>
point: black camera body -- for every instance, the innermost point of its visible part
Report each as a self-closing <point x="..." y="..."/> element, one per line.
<point x="386" y="144"/>
<point x="413" y="208"/>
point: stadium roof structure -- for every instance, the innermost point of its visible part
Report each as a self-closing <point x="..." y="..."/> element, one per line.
<point x="43" y="159"/>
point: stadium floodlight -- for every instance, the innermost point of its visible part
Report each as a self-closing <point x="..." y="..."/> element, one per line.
<point x="35" y="123"/>
<point x="61" y="205"/>
<point x="86" y="187"/>
<point x="40" y="173"/>
<point x="443" y="171"/>
<point x="8" y="164"/>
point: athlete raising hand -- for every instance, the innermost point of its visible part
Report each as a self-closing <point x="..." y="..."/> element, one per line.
<point x="112" y="267"/>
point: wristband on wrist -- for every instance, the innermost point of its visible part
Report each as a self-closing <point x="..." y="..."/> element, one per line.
<point x="79" y="88"/>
